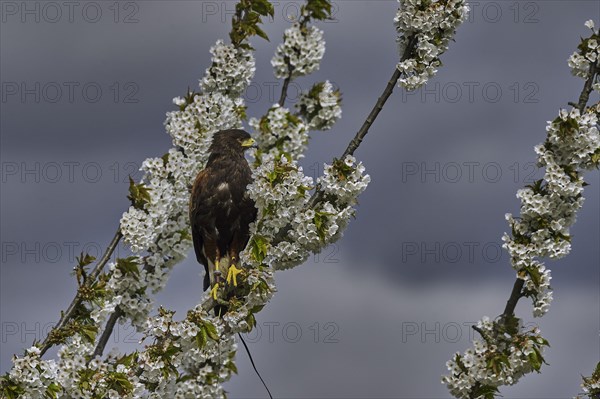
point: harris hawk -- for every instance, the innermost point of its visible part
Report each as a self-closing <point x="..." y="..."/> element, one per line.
<point x="220" y="209"/>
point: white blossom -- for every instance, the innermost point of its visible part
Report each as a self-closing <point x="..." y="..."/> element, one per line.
<point x="302" y="49"/>
<point x="589" y="52"/>
<point x="548" y="210"/>
<point x="320" y="106"/>
<point x="280" y="132"/>
<point x="137" y="229"/>
<point x="589" y="24"/>
<point x="500" y="358"/>
<point x="433" y="24"/>
<point x="345" y="180"/>
<point x="192" y="128"/>
<point x="231" y="71"/>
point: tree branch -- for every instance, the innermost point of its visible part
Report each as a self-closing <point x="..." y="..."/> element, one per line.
<point x="364" y="129"/>
<point x="108" y="329"/>
<point x="66" y="316"/>
<point x="587" y="88"/>
<point x="286" y="83"/>
<point x="517" y="291"/>
<point x="515" y="295"/>
<point x="360" y="135"/>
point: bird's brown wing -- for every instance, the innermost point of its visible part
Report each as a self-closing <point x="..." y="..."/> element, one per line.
<point x="247" y="212"/>
<point x="198" y="216"/>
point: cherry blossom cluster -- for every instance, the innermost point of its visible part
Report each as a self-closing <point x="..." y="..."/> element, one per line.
<point x="201" y="116"/>
<point x="157" y="228"/>
<point x="591" y="384"/>
<point x="73" y="374"/>
<point x="502" y="357"/>
<point x="344" y="180"/>
<point x="279" y="188"/>
<point x="548" y="209"/>
<point x="300" y="53"/>
<point x="196" y="347"/>
<point x="589" y="53"/>
<point x="432" y="24"/>
<point x="289" y="228"/>
<point x="194" y="356"/>
<point x="320" y="106"/>
<point x="231" y="71"/>
<point x="280" y="132"/>
<point x="549" y="206"/>
<point x="200" y="347"/>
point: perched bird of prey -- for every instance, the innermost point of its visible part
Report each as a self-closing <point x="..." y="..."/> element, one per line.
<point x="220" y="209"/>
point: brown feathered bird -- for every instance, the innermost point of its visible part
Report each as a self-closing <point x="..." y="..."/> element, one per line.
<point x="220" y="208"/>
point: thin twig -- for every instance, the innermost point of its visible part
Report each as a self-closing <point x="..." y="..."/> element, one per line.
<point x="515" y="295"/>
<point x="364" y="129"/>
<point x="360" y="135"/>
<point x="110" y="324"/>
<point x="587" y="88"/>
<point x="286" y="83"/>
<point x="108" y="329"/>
<point x="303" y="21"/>
<point x="106" y="257"/>
<point x="66" y="316"/>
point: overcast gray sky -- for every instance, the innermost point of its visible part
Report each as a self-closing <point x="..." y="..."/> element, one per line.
<point x="85" y="89"/>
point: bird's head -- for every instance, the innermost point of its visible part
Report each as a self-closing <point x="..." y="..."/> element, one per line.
<point x="232" y="140"/>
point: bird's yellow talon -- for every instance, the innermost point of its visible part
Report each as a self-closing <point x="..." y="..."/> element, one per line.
<point x="214" y="291"/>
<point x="232" y="275"/>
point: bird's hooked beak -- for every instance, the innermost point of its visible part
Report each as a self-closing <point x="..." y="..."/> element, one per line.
<point x="248" y="143"/>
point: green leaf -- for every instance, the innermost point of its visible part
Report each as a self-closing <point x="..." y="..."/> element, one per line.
<point x="511" y="324"/>
<point x="201" y="338"/>
<point x="263" y="7"/>
<point x="119" y="382"/>
<point x="89" y="332"/>
<point x="85" y="259"/>
<point x="459" y="363"/>
<point x="231" y="366"/>
<point x="596" y="374"/>
<point x="79" y="271"/>
<point x="538" y="187"/>
<point x="260" y="247"/>
<point x="185" y="234"/>
<point x="139" y="195"/>
<point x="129" y="266"/>
<point x="127" y="360"/>
<point x="318" y="9"/>
<point x="53" y="390"/>
<point x="170" y="352"/>
<point x="535" y="361"/>
<point x="532" y="272"/>
<point x="10" y="389"/>
<point x="211" y="330"/>
<point x="245" y="23"/>
<point x="261" y="33"/>
<point x="251" y="320"/>
<point x="342" y="169"/>
<point x="263" y="125"/>
<point x="487" y="391"/>
<point x="596" y="158"/>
